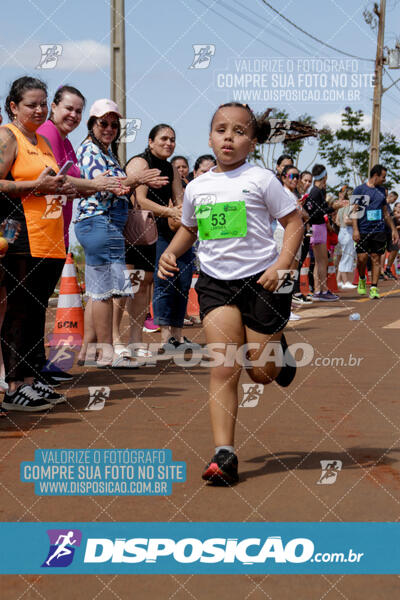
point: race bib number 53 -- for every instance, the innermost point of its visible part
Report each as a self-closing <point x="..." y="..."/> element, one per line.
<point x="221" y="220"/>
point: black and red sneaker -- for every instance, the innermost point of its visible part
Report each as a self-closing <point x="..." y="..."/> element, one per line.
<point x="222" y="469"/>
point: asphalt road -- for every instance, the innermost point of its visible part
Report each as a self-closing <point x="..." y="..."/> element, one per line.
<point x="343" y="406"/>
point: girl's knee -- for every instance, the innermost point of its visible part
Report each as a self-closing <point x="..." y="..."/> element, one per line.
<point x="224" y="374"/>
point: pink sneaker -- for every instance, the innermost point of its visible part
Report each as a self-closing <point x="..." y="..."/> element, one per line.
<point x="148" y="326"/>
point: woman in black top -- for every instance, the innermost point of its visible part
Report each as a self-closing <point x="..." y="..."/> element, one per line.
<point x="317" y="208"/>
<point x="169" y="297"/>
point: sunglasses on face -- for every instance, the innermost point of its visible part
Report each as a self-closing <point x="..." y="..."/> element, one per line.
<point x="292" y="176"/>
<point x="104" y="124"/>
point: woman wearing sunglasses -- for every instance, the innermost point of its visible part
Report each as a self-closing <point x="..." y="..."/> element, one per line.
<point x="100" y="223"/>
<point x="290" y="179"/>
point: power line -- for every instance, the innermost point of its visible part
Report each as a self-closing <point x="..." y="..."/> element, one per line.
<point x="313" y="36"/>
<point x="392" y="80"/>
<point x="259" y="25"/>
<point x="238" y="27"/>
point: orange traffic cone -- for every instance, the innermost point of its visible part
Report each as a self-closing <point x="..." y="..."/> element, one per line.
<point x="304" y="283"/>
<point x="193" y="308"/>
<point x="331" y="280"/>
<point x="68" y="326"/>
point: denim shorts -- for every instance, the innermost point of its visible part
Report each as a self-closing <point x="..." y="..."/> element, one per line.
<point x="103" y="241"/>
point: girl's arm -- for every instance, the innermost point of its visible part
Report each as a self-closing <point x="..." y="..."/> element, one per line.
<point x="177" y="189"/>
<point x="176" y="200"/>
<point x="292" y="239"/>
<point x="182" y="241"/>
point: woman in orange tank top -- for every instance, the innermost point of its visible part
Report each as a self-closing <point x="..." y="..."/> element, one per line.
<point x="29" y="190"/>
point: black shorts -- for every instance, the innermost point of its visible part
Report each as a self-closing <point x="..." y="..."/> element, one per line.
<point x="371" y="243"/>
<point x="141" y="257"/>
<point x="262" y="311"/>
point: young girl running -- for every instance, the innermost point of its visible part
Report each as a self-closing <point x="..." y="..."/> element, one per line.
<point x="231" y="209"/>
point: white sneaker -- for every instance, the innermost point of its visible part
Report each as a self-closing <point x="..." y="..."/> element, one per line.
<point x="341" y="285"/>
<point x="348" y="286"/>
<point x="3" y="384"/>
<point x="294" y="317"/>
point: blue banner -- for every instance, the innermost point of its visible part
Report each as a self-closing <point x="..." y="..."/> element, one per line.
<point x="200" y="548"/>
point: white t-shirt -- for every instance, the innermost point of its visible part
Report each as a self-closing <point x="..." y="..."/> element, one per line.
<point x="265" y="199"/>
<point x="293" y="197"/>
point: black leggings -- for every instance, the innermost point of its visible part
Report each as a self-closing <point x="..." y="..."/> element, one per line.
<point x="29" y="283"/>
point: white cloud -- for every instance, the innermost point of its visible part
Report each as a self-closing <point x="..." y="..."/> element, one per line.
<point x="333" y="120"/>
<point x="391" y="126"/>
<point x="78" y="55"/>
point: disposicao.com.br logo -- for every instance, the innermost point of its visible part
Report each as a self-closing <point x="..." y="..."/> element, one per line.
<point x="247" y="551"/>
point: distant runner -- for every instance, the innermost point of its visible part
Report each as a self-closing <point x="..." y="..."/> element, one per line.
<point x="370" y="213"/>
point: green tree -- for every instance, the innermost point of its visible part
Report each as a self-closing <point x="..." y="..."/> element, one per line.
<point x="79" y="255"/>
<point x="346" y="150"/>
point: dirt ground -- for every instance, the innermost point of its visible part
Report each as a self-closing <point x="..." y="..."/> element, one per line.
<point x="331" y="411"/>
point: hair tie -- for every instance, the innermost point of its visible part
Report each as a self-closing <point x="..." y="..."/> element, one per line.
<point x="321" y="175"/>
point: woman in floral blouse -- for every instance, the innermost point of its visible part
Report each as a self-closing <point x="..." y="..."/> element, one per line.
<point x="100" y="223"/>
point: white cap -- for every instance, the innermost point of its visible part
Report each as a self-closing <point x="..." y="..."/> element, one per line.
<point x="102" y="107"/>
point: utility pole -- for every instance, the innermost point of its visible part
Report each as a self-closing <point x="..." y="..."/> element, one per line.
<point x="118" y="71"/>
<point x="376" y="109"/>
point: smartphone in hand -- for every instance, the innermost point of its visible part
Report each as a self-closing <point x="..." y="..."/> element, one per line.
<point x="65" y="168"/>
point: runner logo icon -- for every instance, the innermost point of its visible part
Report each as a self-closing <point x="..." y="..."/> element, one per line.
<point x="287" y="278"/>
<point x="133" y="280"/>
<point x="54" y="206"/>
<point x="129" y="129"/>
<point x="97" y="397"/>
<point x="62" y="547"/>
<point x="330" y="471"/>
<point x="50" y="54"/>
<point x="202" y="55"/>
<point x="251" y="394"/>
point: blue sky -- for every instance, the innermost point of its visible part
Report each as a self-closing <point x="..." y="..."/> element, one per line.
<point x="159" y="39"/>
<point x="160" y="35"/>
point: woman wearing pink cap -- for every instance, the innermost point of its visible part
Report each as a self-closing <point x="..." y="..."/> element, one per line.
<point x="100" y="223"/>
<point x="65" y="116"/>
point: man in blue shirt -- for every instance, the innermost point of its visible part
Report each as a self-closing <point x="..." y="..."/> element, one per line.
<point x="370" y="213"/>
